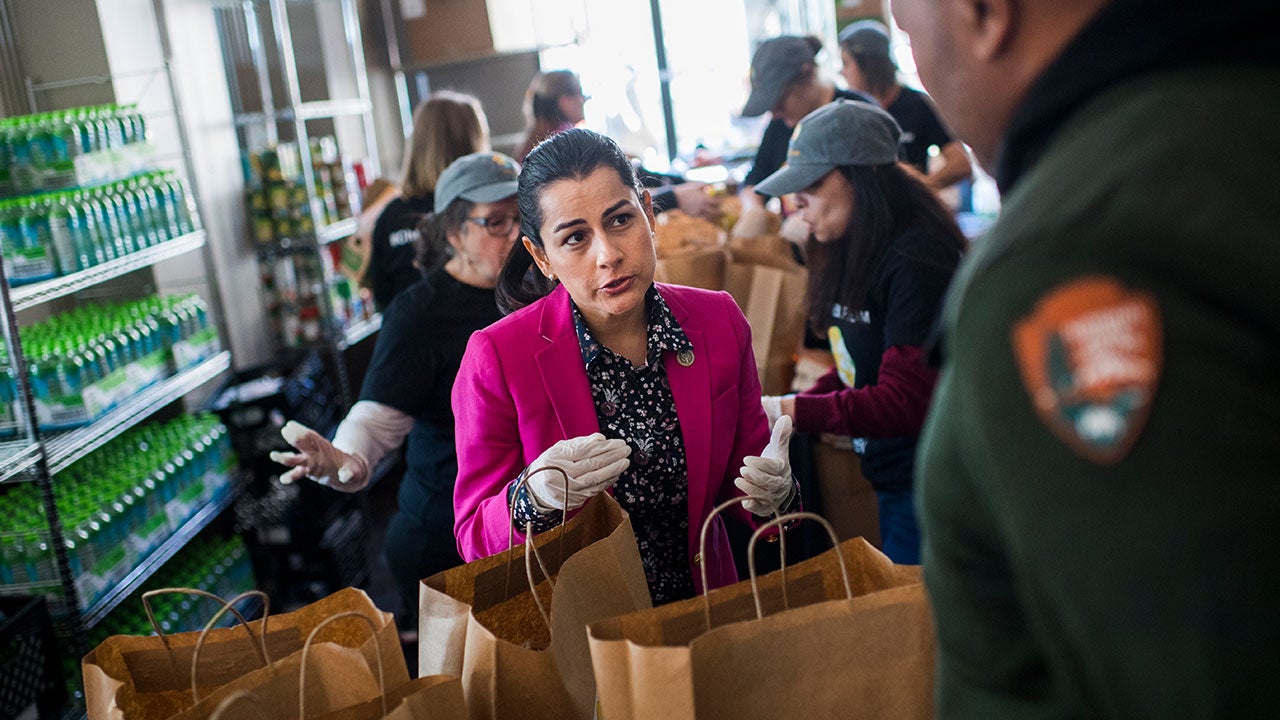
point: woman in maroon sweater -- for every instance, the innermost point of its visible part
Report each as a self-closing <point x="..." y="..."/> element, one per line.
<point x="882" y="252"/>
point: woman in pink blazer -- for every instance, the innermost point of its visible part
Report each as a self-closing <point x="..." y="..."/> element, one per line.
<point x="644" y="390"/>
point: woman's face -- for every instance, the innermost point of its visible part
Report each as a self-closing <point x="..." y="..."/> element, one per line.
<point x="482" y="244"/>
<point x="800" y="97"/>
<point x="827" y="206"/>
<point x="573" y="107"/>
<point x="852" y="73"/>
<point x="598" y="242"/>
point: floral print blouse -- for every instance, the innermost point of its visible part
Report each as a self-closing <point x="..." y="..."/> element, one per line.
<point x="635" y="404"/>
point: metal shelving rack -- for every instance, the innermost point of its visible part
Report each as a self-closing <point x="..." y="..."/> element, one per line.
<point x="28" y="296"/>
<point x="271" y="98"/>
<point x="64" y="448"/>
<point x="37" y="456"/>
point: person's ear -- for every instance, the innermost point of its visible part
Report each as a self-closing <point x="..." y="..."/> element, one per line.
<point x="988" y="25"/>
<point x="454" y="237"/>
<point x="539" y="256"/>
<point x="646" y="201"/>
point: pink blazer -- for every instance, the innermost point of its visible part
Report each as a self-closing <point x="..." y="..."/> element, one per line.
<point x="523" y="387"/>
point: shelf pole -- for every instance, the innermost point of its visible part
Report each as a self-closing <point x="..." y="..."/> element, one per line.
<point x="43" y="479"/>
<point x="293" y="91"/>
<point x="355" y="49"/>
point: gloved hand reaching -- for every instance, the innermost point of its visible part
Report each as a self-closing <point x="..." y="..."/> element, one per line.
<point x="592" y="463"/>
<point x="766" y="479"/>
<point x="319" y="460"/>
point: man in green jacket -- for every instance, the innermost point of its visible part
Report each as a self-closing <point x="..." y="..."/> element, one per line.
<point x="1100" y="472"/>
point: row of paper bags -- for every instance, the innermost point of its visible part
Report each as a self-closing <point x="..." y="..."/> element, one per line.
<point x="844" y="634"/>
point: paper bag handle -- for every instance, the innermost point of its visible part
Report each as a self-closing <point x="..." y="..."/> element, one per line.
<point x="530" y="549"/>
<point x="306" y="649"/>
<point x="235" y="697"/>
<point x="702" y="549"/>
<point x="151" y="616"/>
<point x="751" y="556"/>
<point x="227" y="605"/>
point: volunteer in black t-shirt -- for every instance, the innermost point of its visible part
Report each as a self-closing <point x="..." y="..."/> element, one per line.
<point x="784" y="82"/>
<point x="446" y="126"/>
<point x="407" y="388"/>
<point x="867" y="66"/>
<point x="882" y="252"/>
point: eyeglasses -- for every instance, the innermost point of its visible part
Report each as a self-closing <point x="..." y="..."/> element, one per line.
<point x="497" y="226"/>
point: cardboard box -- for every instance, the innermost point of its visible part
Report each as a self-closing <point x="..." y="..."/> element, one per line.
<point x="848" y="501"/>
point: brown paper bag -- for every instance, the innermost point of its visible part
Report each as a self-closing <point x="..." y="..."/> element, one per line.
<point x="822" y="654"/>
<point x="437" y="697"/>
<point x="694" y="267"/>
<point x="320" y="678"/>
<point x="336" y="677"/>
<point x="325" y="676"/>
<point x="772" y="298"/>
<point x="755" y="222"/>
<point x="150" y="677"/>
<point x="481" y="620"/>
<point x="676" y="231"/>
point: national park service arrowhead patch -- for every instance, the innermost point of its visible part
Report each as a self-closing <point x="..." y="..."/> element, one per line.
<point x="1091" y="355"/>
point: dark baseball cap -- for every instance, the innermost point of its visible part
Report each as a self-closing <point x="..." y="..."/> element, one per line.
<point x="865" y="37"/>
<point x="777" y="61"/>
<point x="478" y="177"/>
<point x="838" y="134"/>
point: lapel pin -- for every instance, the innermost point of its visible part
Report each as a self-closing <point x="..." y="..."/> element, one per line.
<point x="685" y="358"/>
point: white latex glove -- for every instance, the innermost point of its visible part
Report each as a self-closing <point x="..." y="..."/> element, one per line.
<point x="593" y="464"/>
<point x="766" y="478"/>
<point x="319" y="460"/>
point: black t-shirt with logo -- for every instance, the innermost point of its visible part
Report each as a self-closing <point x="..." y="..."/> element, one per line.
<point x="921" y="127"/>
<point x="903" y="305"/>
<point x="395" y="240"/>
<point x="419" y="349"/>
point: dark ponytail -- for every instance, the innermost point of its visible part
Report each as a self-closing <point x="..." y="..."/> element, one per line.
<point x="571" y="155"/>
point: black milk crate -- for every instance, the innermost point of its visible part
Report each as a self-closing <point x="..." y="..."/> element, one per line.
<point x="345" y="542"/>
<point x="31" y="678"/>
<point x="312" y="394"/>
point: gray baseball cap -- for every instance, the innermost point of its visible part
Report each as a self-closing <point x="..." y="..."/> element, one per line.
<point x="865" y="37"/>
<point x="777" y="61"/>
<point x="478" y="177"/>
<point x="840" y="133"/>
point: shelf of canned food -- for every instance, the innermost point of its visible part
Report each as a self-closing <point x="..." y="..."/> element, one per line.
<point x="337" y="231"/>
<point x="26" y="296"/>
<point x="65" y="448"/>
<point x="307" y="243"/>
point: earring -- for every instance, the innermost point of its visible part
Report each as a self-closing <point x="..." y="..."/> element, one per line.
<point x="551" y="277"/>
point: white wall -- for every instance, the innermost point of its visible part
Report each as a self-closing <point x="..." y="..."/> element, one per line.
<point x="215" y="155"/>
